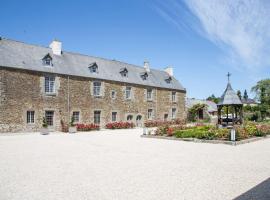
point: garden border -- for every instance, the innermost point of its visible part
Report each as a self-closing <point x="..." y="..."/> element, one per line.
<point x="207" y="141"/>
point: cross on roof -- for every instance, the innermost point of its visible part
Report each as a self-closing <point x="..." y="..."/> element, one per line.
<point x="229" y="74"/>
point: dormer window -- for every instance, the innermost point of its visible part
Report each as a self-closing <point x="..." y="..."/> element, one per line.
<point x="47" y="60"/>
<point x="144" y="76"/>
<point x="168" y="80"/>
<point x="93" y="68"/>
<point x="124" y="72"/>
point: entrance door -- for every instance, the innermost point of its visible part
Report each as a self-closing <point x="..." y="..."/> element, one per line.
<point x="139" y="121"/>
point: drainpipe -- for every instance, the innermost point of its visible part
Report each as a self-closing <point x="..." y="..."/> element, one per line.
<point x="68" y="101"/>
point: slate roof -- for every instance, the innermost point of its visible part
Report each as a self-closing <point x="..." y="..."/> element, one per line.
<point x="229" y="97"/>
<point x="248" y="101"/>
<point x="211" y="106"/>
<point x="14" y="54"/>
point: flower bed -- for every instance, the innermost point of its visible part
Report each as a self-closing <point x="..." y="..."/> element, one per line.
<point x="208" y="132"/>
<point x="157" y="123"/>
<point x="87" y="127"/>
<point x="120" y="125"/>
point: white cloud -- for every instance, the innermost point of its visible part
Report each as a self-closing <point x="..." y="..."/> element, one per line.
<point x="240" y="27"/>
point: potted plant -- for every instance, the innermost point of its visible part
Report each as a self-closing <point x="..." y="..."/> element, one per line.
<point x="72" y="128"/>
<point x="44" y="130"/>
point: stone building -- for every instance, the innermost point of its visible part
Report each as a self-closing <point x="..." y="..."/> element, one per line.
<point x="38" y="82"/>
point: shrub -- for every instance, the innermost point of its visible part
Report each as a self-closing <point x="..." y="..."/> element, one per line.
<point x="241" y="133"/>
<point x="263" y="130"/>
<point x="157" y="123"/>
<point x="169" y="131"/>
<point x="87" y="127"/>
<point x="119" y="125"/>
<point x="251" y="128"/>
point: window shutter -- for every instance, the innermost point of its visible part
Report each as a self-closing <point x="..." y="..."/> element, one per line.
<point x="91" y="88"/>
<point x="145" y="95"/>
<point x="102" y="92"/>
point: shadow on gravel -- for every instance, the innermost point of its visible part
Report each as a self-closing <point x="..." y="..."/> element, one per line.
<point x="260" y="192"/>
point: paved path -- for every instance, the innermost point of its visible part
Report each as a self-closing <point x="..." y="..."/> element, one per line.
<point x="123" y="166"/>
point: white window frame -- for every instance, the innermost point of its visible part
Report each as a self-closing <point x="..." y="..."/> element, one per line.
<point x="94" y="69"/>
<point x="114" y="116"/>
<point x="149" y="94"/>
<point x="150" y="114"/>
<point x="129" y="118"/>
<point x="76" y="118"/>
<point x="97" y="88"/>
<point x="97" y="113"/>
<point x="49" y="84"/>
<point x="30" y="117"/>
<point x="128" y="92"/>
<point x="52" y="117"/>
<point x="113" y="96"/>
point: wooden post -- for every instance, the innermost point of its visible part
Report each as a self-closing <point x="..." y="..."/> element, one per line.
<point x="227" y="115"/>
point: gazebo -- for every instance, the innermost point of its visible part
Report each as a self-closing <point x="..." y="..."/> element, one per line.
<point x="230" y="99"/>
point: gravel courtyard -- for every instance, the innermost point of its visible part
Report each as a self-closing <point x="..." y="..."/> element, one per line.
<point x="122" y="165"/>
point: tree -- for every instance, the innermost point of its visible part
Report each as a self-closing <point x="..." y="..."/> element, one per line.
<point x="262" y="91"/>
<point x="245" y="95"/>
<point x="213" y="98"/>
<point x="239" y="94"/>
<point x="193" y="112"/>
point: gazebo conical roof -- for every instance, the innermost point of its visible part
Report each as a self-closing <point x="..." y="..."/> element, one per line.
<point x="229" y="97"/>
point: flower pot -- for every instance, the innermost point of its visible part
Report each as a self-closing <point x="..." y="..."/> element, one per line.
<point x="44" y="131"/>
<point x="72" y="129"/>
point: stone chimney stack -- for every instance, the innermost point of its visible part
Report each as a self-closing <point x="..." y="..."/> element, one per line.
<point x="146" y="66"/>
<point x="56" y="47"/>
<point x="169" y="71"/>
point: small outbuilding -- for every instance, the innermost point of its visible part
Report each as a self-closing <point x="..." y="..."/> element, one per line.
<point x="230" y="107"/>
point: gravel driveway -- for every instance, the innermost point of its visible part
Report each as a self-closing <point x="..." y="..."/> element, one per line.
<point x="123" y="166"/>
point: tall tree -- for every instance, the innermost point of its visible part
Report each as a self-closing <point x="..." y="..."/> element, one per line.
<point x="239" y="94"/>
<point x="262" y="91"/>
<point x="245" y="95"/>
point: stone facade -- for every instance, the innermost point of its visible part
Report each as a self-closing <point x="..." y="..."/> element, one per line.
<point x="22" y="91"/>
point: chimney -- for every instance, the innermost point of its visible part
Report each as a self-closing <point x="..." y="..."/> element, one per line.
<point x="146" y="66"/>
<point x="169" y="71"/>
<point x="56" y="47"/>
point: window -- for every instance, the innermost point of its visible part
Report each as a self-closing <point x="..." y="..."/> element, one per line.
<point x="149" y="94"/>
<point x="129" y="118"/>
<point x="97" y="88"/>
<point x="76" y="116"/>
<point x="49" y="84"/>
<point x="47" y="60"/>
<point x="150" y="114"/>
<point x="113" y="95"/>
<point x="97" y="117"/>
<point x="30" y="117"/>
<point x="173" y="113"/>
<point x="173" y="96"/>
<point x="93" y="68"/>
<point x="49" y="117"/>
<point x="128" y="93"/>
<point x="114" y="116"/>
<point x="166" y="117"/>
<point x="144" y="76"/>
<point x="124" y="72"/>
<point x="168" y="80"/>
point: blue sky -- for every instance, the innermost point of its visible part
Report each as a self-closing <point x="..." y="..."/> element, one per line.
<point x="201" y="39"/>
